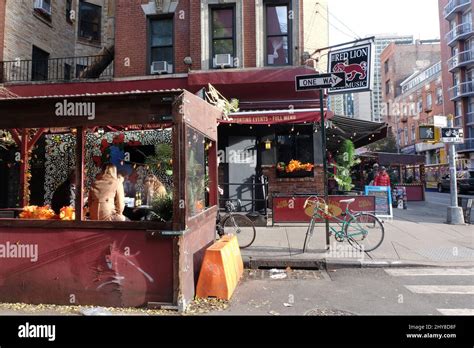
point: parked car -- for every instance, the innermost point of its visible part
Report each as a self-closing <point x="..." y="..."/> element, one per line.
<point x="465" y="182"/>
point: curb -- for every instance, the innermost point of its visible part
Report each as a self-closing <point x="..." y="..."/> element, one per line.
<point x="325" y="264"/>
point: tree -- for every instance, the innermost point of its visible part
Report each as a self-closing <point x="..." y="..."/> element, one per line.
<point x="346" y="160"/>
<point x="388" y="144"/>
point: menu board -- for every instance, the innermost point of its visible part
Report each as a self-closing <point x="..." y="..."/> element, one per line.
<point x="383" y="200"/>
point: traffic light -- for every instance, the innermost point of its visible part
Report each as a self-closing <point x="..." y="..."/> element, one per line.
<point x="429" y="134"/>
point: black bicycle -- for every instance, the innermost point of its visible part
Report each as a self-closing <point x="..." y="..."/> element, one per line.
<point x="236" y="224"/>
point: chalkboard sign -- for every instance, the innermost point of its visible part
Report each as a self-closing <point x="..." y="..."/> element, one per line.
<point x="383" y="200"/>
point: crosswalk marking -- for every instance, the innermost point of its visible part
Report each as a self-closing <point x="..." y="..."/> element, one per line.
<point x="411" y="272"/>
<point x="456" y="311"/>
<point x="441" y="289"/>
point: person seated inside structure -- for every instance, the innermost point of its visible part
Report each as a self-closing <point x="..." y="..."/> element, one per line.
<point x="65" y="194"/>
<point x="153" y="188"/>
<point x="106" y="196"/>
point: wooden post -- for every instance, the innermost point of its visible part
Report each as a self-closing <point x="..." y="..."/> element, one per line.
<point x="80" y="159"/>
<point x="24" y="168"/>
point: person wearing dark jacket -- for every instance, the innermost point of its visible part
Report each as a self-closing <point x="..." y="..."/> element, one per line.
<point x="65" y="194"/>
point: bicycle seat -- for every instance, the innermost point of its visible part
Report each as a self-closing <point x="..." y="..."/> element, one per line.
<point x="348" y="201"/>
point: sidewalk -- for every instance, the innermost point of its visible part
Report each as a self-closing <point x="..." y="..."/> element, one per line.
<point x="417" y="236"/>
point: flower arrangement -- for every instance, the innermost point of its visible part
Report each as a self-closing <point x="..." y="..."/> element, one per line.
<point x="67" y="214"/>
<point x="37" y="213"/>
<point x="294" y="166"/>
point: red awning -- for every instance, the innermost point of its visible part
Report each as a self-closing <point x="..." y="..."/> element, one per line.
<point x="276" y="117"/>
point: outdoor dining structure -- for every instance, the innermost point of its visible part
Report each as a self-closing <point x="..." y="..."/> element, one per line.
<point x="67" y="259"/>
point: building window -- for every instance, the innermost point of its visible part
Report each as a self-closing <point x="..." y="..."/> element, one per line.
<point x="387" y="88"/>
<point x="161" y="40"/>
<point x="222" y="33"/>
<point x="39" y="65"/>
<point x="429" y="102"/>
<point x="90" y="17"/>
<point x="420" y="104"/>
<point x="413" y="133"/>
<point x="406" y="135"/>
<point x="386" y="66"/>
<point x="278" y="34"/>
<point x="43" y="7"/>
<point x="296" y="144"/>
<point x="79" y="69"/>
<point x="68" y="11"/>
<point x="439" y="95"/>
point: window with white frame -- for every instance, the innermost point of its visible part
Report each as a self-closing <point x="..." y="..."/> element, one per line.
<point x="429" y="101"/>
<point x="439" y="95"/>
<point x="223" y="39"/>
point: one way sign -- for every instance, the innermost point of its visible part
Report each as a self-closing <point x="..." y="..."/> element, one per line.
<point x="321" y="81"/>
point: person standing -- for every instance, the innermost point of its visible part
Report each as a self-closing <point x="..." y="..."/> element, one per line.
<point x="372" y="174"/>
<point x="107" y="197"/>
<point x="382" y="179"/>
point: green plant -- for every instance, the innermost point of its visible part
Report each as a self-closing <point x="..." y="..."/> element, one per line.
<point x="346" y="160"/>
<point x="6" y="139"/>
<point x="162" y="208"/>
<point x="162" y="160"/>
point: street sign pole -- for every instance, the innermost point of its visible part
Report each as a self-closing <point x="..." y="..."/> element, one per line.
<point x="325" y="164"/>
<point x="455" y="214"/>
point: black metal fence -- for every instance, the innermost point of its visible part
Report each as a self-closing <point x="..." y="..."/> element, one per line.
<point x="53" y="69"/>
<point x="257" y="190"/>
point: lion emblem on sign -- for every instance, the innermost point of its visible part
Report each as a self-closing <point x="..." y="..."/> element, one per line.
<point x="352" y="70"/>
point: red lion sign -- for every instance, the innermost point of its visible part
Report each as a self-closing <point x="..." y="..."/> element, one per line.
<point x="352" y="70"/>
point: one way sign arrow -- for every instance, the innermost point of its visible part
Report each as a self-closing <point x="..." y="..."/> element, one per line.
<point x="320" y="81"/>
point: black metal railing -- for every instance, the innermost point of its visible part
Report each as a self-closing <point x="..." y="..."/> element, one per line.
<point x="56" y="69"/>
<point x="257" y="190"/>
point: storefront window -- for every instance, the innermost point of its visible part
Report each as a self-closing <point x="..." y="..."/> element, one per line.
<point x="293" y="147"/>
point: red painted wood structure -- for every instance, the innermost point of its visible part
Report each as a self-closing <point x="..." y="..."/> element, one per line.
<point x="111" y="263"/>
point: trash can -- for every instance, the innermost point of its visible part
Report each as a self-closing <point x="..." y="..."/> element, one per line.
<point x="466" y="204"/>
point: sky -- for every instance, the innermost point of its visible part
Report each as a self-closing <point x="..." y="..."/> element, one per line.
<point x="370" y="17"/>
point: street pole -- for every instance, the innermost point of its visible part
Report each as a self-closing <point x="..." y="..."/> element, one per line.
<point x="455" y="214"/>
<point x="325" y="162"/>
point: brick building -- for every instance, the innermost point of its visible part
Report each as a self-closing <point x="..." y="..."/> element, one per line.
<point x="399" y="62"/>
<point x="457" y="42"/>
<point x="421" y="98"/>
<point x="56" y="35"/>
<point x="250" y="50"/>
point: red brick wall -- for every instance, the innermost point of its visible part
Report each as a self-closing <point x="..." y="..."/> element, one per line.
<point x="2" y="27"/>
<point x="132" y="37"/>
<point x="250" y="39"/>
<point x="294" y="185"/>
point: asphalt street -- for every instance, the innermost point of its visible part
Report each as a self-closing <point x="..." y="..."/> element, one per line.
<point x="440" y="198"/>
<point x="395" y="291"/>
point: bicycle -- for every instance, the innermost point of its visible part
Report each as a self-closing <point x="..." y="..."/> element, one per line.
<point x="364" y="231"/>
<point x="236" y="224"/>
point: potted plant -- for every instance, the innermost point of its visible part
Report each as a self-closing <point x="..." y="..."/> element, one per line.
<point x="346" y="160"/>
<point x="162" y="209"/>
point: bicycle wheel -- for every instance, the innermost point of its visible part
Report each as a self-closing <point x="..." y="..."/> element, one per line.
<point x="242" y="227"/>
<point x="365" y="232"/>
<point x="309" y="234"/>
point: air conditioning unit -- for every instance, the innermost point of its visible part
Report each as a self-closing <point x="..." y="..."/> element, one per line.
<point x="43" y="6"/>
<point x="161" y="67"/>
<point x="223" y="61"/>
